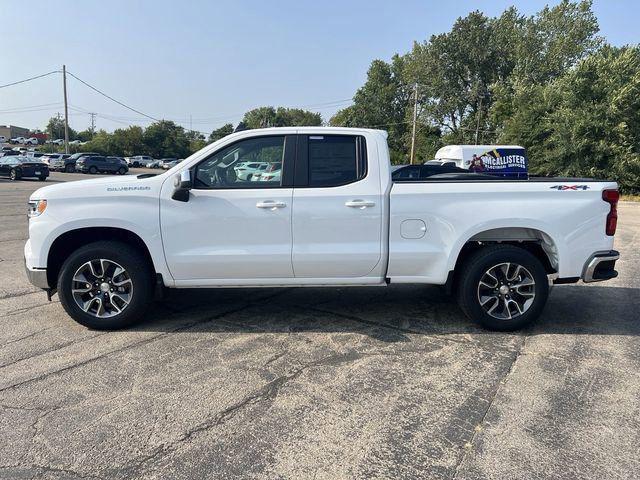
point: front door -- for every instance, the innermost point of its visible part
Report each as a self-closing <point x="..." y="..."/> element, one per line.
<point x="234" y="227"/>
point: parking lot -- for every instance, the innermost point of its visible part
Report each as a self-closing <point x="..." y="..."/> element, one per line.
<point x="330" y="383"/>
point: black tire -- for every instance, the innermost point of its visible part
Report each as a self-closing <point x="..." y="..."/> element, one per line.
<point x="137" y="268"/>
<point x="469" y="289"/>
<point x="42" y="179"/>
<point x="135" y="165"/>
<point x="15" y="174"/>
<point x="122" y="171"/>
<point x="93" y="170"/>
<point x="69" y="168"/>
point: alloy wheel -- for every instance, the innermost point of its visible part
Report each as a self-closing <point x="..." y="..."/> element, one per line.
<point x="506" y="290"/>
<point x="102" y="288"/>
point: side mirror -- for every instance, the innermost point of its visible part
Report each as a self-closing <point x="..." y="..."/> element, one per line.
<point x="182" y="183"/>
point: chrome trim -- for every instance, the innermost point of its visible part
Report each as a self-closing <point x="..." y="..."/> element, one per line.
<point x="37" y="277"/>
<point x="593" y="262"/>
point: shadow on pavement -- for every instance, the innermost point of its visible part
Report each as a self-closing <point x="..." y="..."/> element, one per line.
<point x="387" y="314"/>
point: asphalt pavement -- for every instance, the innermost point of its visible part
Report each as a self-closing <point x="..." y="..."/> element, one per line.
<point x="312" y="383"/>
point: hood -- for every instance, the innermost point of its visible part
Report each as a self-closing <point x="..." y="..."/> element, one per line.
<point x="96" y="186"/>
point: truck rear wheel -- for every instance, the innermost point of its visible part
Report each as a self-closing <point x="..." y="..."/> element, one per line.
<point x="69" y="168"/>
<point x="105" y="285"/>
<point x="503" y="287"/>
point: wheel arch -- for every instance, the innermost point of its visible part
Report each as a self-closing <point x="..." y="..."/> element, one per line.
<point x="535" y="241"/>
<point x="65" y="244"/>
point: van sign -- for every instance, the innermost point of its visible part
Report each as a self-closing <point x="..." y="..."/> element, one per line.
<point x="505" y="162"/>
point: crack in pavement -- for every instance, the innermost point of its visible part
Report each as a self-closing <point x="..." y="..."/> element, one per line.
<point x="43" y="469"/>
<point x="479" y="427"/>
<point x="434" y="336"/>
<point x="25" y="337"/>
<point x="18" y="311"/>
<point x="267" y="392"/>
<point x="142" y="342"/>
<point x="21" y="293"/>
<point x="57" y="347"/>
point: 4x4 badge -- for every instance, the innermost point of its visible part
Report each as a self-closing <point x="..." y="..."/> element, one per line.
<point x="570" y="187"/>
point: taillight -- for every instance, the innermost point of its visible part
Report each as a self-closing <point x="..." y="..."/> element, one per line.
<point x="611" y="197"/>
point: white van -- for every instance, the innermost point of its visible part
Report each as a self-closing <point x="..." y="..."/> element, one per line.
<point x="499" y="159"/>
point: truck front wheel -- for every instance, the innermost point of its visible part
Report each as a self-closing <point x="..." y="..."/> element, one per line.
<point x="105" y="285"/>
<point x="502" y="287"/>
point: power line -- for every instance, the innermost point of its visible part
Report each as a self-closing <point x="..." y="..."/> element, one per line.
<point x="17" y="109"/>
<point x="29" y="79"/>
<point x="112" y="99"/>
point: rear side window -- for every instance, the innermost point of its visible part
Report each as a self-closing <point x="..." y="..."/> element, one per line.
<point x="336" y="160"/>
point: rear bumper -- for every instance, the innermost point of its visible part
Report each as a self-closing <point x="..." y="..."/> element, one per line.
<point x="600" y="266"/>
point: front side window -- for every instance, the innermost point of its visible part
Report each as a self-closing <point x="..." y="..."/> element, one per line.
<point x="240" y="165"/>
<point x="335" y="160"/>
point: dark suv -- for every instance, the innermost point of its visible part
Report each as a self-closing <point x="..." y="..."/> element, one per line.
<point x="98" y="163"/>
<point x="68" y="164"/>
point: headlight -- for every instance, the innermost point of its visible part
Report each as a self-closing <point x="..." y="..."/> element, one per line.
<point x="37" y="207"/>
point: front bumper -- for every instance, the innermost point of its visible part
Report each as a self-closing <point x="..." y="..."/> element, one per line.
<point x="37" y="276"/>
<point x="600" y="266"/>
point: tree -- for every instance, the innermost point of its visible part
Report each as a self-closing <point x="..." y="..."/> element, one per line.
<point x="592" y="119"/>
<point x="55" y="129"/>
<point x="382" y="102"/>
<point x="166" y="139"/>
<point x="221" y="132"/>
<point x="263" y="117"/>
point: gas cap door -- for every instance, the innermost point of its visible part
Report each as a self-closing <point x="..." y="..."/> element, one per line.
<point x="413" y="229"/>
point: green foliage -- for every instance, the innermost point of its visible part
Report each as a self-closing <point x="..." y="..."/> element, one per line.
<point x="263" y="117"/>
<point x="591" y="123"/>
<point x="547" y="82"/>
<point x="221" y="132"/>
<point x="55" y="129"/>
<point x="382" y="102"/>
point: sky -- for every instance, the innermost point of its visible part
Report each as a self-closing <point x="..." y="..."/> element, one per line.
<point x="204" y="63"/>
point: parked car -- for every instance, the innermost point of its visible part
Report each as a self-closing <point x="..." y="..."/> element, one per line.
<point x="31" y="141"/>
<point x="140" y="161"/>
<point x="100" y="164"/>
<point x="57" y="141"/>
<point x="50" y="158"/>
<point x="338" y="218"/>
<point x="249" y="170"/>
<point x="18" y="166"/>
<point x="68" y="163"/>
<point x="17" y="140"/>
<point x="272" y="173"/>
<point x="168" y="163"/>
<point x="155" y="164"/>
<point x="75" y="142"/>
<point x="8" y="153"/>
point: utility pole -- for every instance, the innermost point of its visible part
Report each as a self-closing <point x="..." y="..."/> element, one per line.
<point x="415" y="120"/>
<point x="66" y="110"/>
<point x="479" y="113"/>
<point x="93" y="123"/>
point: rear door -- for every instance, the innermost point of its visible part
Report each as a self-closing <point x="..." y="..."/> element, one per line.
<point x="337" y="208"/>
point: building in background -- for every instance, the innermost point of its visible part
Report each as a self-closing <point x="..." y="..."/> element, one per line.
<point x="11" y="131"/>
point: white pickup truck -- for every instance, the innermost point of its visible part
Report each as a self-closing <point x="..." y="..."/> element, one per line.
<point x="333" y="217"/>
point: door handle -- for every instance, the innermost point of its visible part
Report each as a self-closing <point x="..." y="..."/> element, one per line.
<point x="361" y="204"/>
<point x="270" y="204"/>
